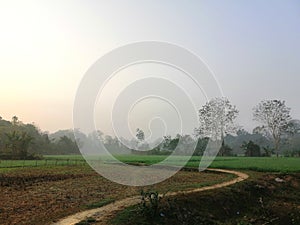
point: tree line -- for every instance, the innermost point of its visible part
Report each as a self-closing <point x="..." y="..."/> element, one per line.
<point x="277" y="134"/>
<point x="27" y="141"/>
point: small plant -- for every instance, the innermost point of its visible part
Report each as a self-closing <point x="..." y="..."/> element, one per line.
<point x="150" y="203"/>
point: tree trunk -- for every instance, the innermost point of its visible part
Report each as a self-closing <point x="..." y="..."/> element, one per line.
<point x="277" y="148"/>
<point x="223" y="144"/>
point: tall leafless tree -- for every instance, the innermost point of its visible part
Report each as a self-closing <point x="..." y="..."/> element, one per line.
<point x="275" y="118"/>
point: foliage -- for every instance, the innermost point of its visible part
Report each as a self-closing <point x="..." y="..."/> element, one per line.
<point x="201" y="146"/>
<point x="251" y="149"/>
<point x="225" y="150"/>
<point x="217" y="120"/>
<point x="18" y="144"/>
<point x="236" y="141"/>
<point x="26" y="141"/>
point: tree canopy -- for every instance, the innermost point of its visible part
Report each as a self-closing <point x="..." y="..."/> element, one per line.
<point x="275" y="118"/>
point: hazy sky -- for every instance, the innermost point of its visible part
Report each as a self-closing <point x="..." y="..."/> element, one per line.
<point x="253" y="47"/>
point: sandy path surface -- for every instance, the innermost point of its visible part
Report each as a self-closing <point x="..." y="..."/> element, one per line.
<point x="105" y="213"/>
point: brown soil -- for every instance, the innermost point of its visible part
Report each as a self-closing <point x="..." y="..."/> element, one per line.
<point x="44" y="195"/>
<point x="104" y="214"/>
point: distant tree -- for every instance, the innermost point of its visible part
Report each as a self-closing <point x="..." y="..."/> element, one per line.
<point x="225" y="150"/>
<point x="18" y="143"/>
<point x="165" y="143"/>
<point x="25" y="141"/>
<point x="268" y="151"/>
<point x="275" y="118"/>
<point x="242" y="132"/>
<point x="96" y="135"/>
<point x="216" y="119"/>
<point x="108" y="140"/>
<point x="185" y="145"/>
<point x="140" y="135"/>
<point x="171" y="143"/>
<point x="15" y="120"/>
<point x="251" y="149"/>
<point x="295" y="126"/>
<point x="67" y="146"/>
<point x="201" y="146"/>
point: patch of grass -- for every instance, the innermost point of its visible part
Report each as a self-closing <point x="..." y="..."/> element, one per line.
<point x="100" y="204"/>
<point x="73" y="157"/>
<point x="87" y="221"/>
<point x="124" y="216"/>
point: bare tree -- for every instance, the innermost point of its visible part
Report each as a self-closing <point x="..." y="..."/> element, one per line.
<point x="216" y="119"/>
<point x="275" y="118"/>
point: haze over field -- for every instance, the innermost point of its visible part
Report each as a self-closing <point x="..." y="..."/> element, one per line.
<point x="46" y="47"/>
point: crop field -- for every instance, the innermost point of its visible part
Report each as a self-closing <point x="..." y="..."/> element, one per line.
<point x="263" y="164"/>
<point x="39" y="163"/>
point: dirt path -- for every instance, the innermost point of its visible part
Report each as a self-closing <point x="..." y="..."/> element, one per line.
<point x="104" y="213"/>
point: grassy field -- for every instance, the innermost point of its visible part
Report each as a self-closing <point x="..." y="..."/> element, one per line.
<point x="264" y="164"/>
<point x="59" y="161"/>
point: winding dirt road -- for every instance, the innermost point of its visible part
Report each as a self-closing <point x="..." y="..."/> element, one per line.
<point x="103" y="214"/>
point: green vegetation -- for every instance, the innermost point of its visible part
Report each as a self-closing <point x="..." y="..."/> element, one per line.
<point x="26" y="141"/>
<point x="251" y="149"/>
<point x="71" y="157"/>
<point x="64" y="161"/>
<point x="125" y="214"/>
<point x="270" y="164"/>
<point x="100" y="203"/>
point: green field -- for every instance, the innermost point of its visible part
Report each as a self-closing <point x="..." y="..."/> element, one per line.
<point x="267" y="164"/>
<point x="48" y="161"/>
